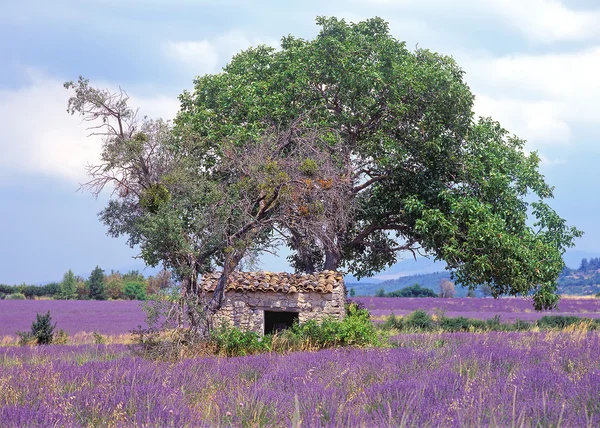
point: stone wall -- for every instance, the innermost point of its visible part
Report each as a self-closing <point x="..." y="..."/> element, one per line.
<point x="245" y="309"/>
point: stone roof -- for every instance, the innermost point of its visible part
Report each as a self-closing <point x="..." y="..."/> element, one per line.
<point x="322" y="282"/>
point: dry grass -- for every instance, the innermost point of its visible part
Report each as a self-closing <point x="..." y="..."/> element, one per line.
<point x="81" y="338"/>
<point x="576" y="297"/>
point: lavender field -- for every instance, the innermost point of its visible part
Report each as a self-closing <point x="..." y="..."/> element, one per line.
<point x="509" y="309"/>
<point x="105" y="317"/>
<point x="458" y="379"/>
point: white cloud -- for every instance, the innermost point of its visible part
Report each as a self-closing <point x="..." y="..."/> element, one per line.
<point x="208" y="56"/>
<point x="547" y="20"/>
<point x="541" y="98"/>
<point x="40" y="138"/>
<point x="537" y="121"/>
<point x="544" y="21"/>
<point x="201" y="56"/>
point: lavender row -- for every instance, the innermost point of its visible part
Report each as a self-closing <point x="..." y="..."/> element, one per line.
<point x="509" y="309"/>
<point x="432" y="379"/>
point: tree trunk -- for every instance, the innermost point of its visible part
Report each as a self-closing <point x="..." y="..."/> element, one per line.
<point x="305" y="261"/>
<point x="231" y="262"/>
<point x="332" y="260"/>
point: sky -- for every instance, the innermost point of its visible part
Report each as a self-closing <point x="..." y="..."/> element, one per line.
<point x="533" y="65"/>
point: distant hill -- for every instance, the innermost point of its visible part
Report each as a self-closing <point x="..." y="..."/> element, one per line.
<point x="428" y="280"/>
<point x="584" y="280"/>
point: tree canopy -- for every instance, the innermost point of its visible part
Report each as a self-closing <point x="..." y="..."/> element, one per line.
<point x="350" y="148"/>
<point x="421" y="174"/>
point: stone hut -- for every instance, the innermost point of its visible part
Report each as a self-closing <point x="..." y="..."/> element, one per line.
<point x="267" y="302"/>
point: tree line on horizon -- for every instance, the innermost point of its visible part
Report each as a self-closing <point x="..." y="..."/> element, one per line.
<point x="98" y="286"/>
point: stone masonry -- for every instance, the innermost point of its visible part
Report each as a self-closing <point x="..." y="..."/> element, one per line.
<point x="249" y="294"/>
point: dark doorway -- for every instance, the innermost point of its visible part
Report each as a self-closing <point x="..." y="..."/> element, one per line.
<point x="277" y="321"/>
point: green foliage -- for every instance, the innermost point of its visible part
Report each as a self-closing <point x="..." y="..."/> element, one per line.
<point x="380" y="293"/>
<point x="413" y="291"/>
<point x="356" y="329"/>
<point x="114" y="286"/>
<point x="309" y="167"/>
<point x="557" y="321"/>
<point x="133" y="275"/>
<point x="458" y="324"/>
<point x="68" y="286"/>
<point x="30" y="291"/>
<point x="419" y="320"/>
<point x="15" y="296"/>
<point x="233" y="342"/>
<point x="352" y="292"/>
<point x="96" y="286"/>
<point x="135" y="290"/>
<point x="42" y="331"/>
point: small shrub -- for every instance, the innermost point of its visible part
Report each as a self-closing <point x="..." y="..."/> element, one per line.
<point x="42" y="331"/>
<point x="356" y="329"/>
<point x="455" y="324"/>
<point x="419" y="320"/>
<point x="493" y="323"/>
<point x="233" y="342"/>
<point x="521" y="325"/>
<point x="558" y="321"/>
<point x="15" y="296"/>
<point x="392" y="321"/>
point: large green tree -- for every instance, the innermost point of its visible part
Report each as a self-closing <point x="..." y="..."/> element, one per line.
<point x="422" y="174"/>
<point x="68" y="286"/>
<point x="96" y="286"/>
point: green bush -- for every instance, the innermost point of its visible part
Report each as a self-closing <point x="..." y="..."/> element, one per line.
<point x="521" y="325"/>
<point x="232" y="342"/>
<point x="419" y="320"/>
<point x="559" y="321"/>
<point x="493" y="323"/>
<point x="413" y="291"/>
<point x="15" y="296"/>
<point x="42" y="331"/>
<point x="356" y="329"/>
<point x="456" y="324"/>
<point x="135" y="290"/>
<point x="392" y="321"/>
